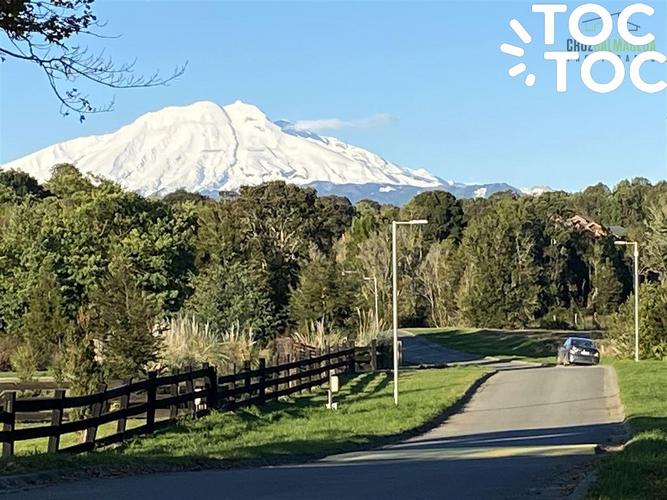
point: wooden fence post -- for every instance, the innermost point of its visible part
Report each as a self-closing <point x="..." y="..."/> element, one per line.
<point x="351" y="366"/>
<point x="190" y="389"/>
<point x="309" y="366"/>
<point x="56" y="421"/>
<point x="262" y="380"/>
<point x="247" y="379"/>
<point x="374" y="355"/>
<point x="231" y="400"/>
<point x="96" y="411"/>
<point x="276" y="374"/>
<point x="151" y="396"/>
<point x="124" y="405"/>
<point x="327" y="363"/>
<point x="212" y="386"/>
<point x="8" y="424"/>
<point x="173" y="392"/>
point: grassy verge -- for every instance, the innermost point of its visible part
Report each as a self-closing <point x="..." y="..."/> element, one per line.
<point x="640" y="470"/>
<point x="297" y="429"/>
<point x="36" y="446"/>
<point x="537" y="346"/>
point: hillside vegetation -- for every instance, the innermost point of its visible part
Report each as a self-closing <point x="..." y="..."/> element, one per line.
<point x="97" y="283"/>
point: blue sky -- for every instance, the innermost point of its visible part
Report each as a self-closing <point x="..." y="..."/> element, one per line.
<point x="426" y="81"/>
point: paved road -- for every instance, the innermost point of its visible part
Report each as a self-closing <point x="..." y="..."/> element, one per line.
<point x="417" y="350"/>
<point x="526" y="430"/>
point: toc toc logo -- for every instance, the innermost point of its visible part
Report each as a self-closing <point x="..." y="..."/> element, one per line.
<point x="604" y="25"/>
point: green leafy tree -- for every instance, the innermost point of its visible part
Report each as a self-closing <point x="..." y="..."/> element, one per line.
<point x="44" y="324"/>
<point x="67" y="181"/>
<point x="502" y="285"/>
<point x="323" y="294"/>
<point x="656" y="238"/>
<point x="22" y="185"/>
<point x="440" y="274"/>
<point x="233" y="295"/>
<point x="652" y="324"/>
<point x="443" y="212"/>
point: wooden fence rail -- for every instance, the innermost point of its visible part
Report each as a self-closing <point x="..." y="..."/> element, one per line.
<point x="195" y="391"/>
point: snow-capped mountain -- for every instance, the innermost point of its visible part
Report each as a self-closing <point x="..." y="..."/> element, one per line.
<point x="208" y="148"/>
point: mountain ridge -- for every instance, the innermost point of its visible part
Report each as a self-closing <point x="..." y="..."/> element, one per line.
<point x="207" y="148"/>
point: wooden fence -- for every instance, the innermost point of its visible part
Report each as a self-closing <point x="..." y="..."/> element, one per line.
<point x="192" y="391"/>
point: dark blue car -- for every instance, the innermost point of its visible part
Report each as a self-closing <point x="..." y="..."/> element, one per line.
<point x="577" y="350"/>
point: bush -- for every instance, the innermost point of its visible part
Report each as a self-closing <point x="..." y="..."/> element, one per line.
<point x="8" y="346"/>
<point x="186" y="342"/>
<point x="652" y="324"/>
<point x="25" y="361"/>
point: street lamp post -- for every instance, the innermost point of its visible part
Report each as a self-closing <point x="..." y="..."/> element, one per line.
<point x="375" y="292"/>
<point x="636" y="289"/>
<point x="394" y="274"/>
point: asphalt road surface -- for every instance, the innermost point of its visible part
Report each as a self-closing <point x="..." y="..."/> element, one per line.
<point x="418" y="350"/>
<point x="526" y="432"/>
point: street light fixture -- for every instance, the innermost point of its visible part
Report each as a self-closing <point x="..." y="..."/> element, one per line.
<point x="636" y="289"/>
<point x="375" y="292"/>
<point x="394" y="273"/>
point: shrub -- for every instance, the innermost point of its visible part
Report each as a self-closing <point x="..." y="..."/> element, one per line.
<point x="187" y="342"/>
<point x="25" y="361"/>
<point x="8" y="346"/>
<point x="314" y="334"/>
<point x="652" y="324"/>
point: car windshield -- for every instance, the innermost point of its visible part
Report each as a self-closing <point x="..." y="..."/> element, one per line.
<point x="583" y="343"/>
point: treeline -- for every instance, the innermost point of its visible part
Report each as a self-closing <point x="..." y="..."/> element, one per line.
<point x="97" y="282"/>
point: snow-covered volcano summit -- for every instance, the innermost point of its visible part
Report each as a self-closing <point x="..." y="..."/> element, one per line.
<point x="209" y="148"/>
<point x="206" y="148"/>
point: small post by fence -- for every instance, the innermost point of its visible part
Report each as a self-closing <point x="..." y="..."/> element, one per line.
<point x="124" y="405"/>
<point x="151" y="396"/>
<point x="95" y="412"/>
<point x="9" y="420"/>
<point x="247" y="378"/>
<point x="56" y="421"/>
<point x="262" y="380"/>
<point x="374" y="355"/>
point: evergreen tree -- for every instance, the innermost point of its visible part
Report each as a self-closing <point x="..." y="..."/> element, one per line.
<point x="443" y="212"/>
<point x="323" y="294"/>
<point x="44" y="324"/>
<point x="233" y="294"/>
<point x="502" y="282"/>
<point x="124" y="321"/>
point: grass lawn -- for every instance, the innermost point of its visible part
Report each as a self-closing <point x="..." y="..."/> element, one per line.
<point x="640" y="470"/>
<point x="531" y="345"/>
<point x="296" y="429"/>
<point x="34" y="446"/>
<point x="43" y="375"/>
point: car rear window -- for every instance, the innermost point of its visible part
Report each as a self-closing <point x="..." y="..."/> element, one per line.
<point x="583" y="343"/>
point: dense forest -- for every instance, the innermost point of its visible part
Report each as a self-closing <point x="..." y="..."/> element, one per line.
<point x="97" y="282"/>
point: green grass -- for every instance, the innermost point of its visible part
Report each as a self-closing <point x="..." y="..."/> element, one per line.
<point x="297" y="429"/>
<point x="35" y="446"/>
<point x="536" y="346"/>
<point x="640" y="470"/>
<point x="42" y="375"/>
